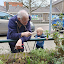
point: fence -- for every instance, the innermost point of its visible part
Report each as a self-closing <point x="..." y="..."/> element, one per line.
<point x="32" y="39"/>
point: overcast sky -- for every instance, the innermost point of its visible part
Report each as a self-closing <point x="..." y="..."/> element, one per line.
<point x="2" y="2"/>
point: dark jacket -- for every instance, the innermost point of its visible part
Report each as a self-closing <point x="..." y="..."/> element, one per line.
<point x="40" y="43"/>
<point x="15" y="28"/>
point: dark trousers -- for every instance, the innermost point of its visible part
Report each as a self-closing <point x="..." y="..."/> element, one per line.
<point x="39" y="47"/>
<point x="13" y="50"/>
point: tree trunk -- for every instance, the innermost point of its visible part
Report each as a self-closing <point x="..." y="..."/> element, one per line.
<point x="29" y="7"/>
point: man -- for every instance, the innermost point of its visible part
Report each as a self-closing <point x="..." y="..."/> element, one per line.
<point x="19" y="29"/>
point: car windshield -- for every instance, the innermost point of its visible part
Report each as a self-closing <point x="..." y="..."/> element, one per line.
<point x="4" y="15"/>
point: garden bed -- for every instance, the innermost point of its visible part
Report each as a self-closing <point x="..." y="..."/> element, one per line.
<point x="37" y="56"/>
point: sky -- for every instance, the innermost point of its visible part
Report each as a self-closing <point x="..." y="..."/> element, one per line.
<point x="2" y="2"/>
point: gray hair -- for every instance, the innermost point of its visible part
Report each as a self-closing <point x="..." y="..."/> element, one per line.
<point x="22" y="13"/>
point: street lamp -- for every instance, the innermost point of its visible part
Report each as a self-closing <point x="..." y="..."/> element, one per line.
<point x="50" y="16"/>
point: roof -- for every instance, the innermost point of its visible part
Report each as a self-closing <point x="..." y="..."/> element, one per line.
<point x="44" y="9"/>
<point x="41" y="9"/>
<point x="58" y="1"/>
<point x="2" y="8"/>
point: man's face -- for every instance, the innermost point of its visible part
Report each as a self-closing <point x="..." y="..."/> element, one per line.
<point x="24" y="20"/>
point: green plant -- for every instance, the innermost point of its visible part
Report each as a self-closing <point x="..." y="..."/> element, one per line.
<point x="28" y="60"/>
<point x="1" y="62"/>
<point x="47" y="33"/>
<point x="46" y="55"/>
<point x="57" y="41"/>
<point x="58" y="60"/>
<point x="59" y="25"/>
<point x="61" y="16"/>
<point x="37" y="56"/>
<point x="56" y="38"/>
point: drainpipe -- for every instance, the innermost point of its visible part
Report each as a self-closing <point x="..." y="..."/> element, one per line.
<point x="7" y="6"/>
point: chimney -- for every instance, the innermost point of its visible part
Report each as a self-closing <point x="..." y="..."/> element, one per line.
<point x="7" y="6"/>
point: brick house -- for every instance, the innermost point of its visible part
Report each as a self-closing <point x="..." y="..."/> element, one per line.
<point x="14" y="4"/>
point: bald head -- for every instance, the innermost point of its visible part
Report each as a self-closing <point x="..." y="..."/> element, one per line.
<point x="23" y="17"/>
<point x="22" y="13"/>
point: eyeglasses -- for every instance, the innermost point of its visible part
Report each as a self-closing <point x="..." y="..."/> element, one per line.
<point x="24" y="20"/>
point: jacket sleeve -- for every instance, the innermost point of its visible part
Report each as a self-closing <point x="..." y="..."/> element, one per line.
<point x="29" y="29"/>
<point x="24" y="39"/>
<point x="12" y="30"/>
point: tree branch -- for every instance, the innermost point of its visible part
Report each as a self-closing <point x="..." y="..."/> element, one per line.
<point x="37" y="8"/>
<point x="25" y="6"/>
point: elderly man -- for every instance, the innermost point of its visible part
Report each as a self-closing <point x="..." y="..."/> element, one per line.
<point x="19" y="29"/>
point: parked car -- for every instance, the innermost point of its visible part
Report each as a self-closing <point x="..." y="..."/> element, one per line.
<point x="58" y="24"/>
<point x="4" y="19"/>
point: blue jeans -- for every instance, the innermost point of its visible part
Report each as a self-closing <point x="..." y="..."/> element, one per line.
<point x="39" y="47"/>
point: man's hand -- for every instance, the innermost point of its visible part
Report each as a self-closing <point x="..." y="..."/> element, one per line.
<point x="18" y="44"/>
<point x="26" y="34"/>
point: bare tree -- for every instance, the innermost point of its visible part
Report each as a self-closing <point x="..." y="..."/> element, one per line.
<point x="32" y="5"/>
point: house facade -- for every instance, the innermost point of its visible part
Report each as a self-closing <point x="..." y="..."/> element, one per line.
<point x="59" y="4"/>
<point x="42" y="13"/>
